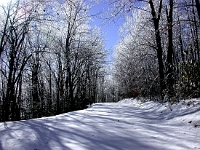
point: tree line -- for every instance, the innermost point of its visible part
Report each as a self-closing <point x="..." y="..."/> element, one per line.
<point x="52" y="60"/>
<point x="158" y="55"/>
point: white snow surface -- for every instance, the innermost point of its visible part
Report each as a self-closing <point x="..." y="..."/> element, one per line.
<point x="125" y="125"/>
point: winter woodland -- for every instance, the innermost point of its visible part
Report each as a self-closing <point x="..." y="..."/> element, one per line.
<point x="53" y="61"/>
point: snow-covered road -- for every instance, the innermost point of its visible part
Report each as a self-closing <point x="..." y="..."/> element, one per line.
<point x="126" y="125"/>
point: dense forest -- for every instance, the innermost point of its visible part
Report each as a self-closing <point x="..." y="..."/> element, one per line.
<point x="158" y="54"/>
<point x="53" y="61"/>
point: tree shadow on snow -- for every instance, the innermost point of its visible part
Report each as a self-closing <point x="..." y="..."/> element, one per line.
<point x="102" y="127"/>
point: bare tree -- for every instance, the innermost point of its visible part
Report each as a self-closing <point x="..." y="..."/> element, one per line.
<point x="17" y="25"/>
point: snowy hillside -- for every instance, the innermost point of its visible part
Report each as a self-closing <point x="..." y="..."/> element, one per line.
<point x="126" y="125"/>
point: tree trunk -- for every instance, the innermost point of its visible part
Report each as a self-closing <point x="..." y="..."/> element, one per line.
<point x="170" y="72"/>
<point x="10" y="85"/>
<point x="156" y="20"/>
<point x="69" y="74"/>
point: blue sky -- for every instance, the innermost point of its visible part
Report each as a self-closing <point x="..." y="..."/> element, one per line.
<point x="109" y="29"/>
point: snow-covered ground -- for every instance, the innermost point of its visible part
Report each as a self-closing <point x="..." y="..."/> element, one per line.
<point x="126" y="125"/>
